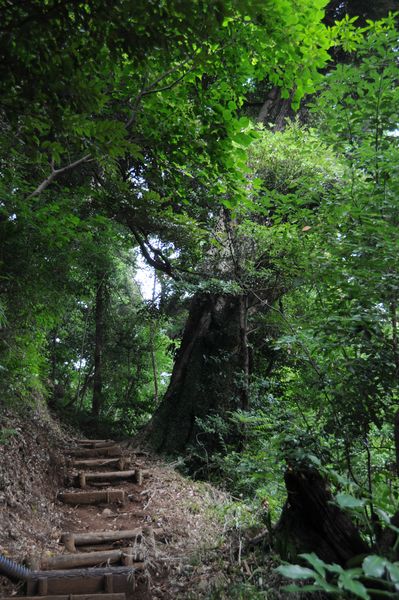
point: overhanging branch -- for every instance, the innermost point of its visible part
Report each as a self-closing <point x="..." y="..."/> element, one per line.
<point x="57" y="172"/>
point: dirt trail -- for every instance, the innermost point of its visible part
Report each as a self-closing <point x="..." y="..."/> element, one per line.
<point x="201" y="547"/>
<point x="179" y="512"/>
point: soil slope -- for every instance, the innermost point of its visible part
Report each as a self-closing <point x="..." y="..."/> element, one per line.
<point x="200" y="537"/>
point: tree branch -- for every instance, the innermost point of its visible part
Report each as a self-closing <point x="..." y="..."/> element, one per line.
<point x="56" y="172"/>
<point x="152" y="89"/>
<point x="158" y="260"/>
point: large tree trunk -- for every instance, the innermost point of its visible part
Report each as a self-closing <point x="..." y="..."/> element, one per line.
<point x="312" y="522"/>
<point x="209" y="375"/>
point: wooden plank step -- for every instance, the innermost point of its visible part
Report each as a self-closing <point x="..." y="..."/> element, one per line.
<point x="90" y="441"/>
<point x="125" y="556"/>
<point x="96" y="443"/>
<point x="71" y="540"/>
<point x="93" y="497"/>
<point x="134" y="475"/>
<point x="108" y="451"/>
<point x="121" y="596"/>
<point x="120" y="463"/>
<point x="133" y="554"/>
<point x="100" y="547"/>
<point x="82" y="581"/>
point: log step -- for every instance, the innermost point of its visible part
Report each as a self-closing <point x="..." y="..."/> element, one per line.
<point x="121" y="596"/>
<point x="90" y="441"/>
<point x="108" y="451"/>
<point x="93" y="497"/>
<point x="71" y="540"/>
<point x="120" y="463"/>
<point x="134" y="474"/>
<point x="125" y="556"/>
<point x="82" y="581"/>
<point x="96" y="443"/>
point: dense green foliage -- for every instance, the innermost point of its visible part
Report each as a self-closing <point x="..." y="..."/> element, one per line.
<point x="124" y="129"/>
<point x="119" y="123"/>
<point x="324" y="388"/>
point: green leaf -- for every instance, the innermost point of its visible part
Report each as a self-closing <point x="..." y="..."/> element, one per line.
<point x="374" y="566"/>
<point x="393" y="570"/>
<point x="348" y="582"/>
<point x="295" y="572"/>
<point x="316" y="562"/>
<point x="387" y="520"/>
<point x="349" y="501"/>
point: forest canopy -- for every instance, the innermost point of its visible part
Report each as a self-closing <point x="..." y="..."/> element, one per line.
<point x="247" y="153"/>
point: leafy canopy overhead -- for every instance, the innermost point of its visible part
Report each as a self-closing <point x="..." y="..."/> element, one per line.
<point x="149" y="86"/>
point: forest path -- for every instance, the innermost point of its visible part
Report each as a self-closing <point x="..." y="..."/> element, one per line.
<point x="130" y="527"/>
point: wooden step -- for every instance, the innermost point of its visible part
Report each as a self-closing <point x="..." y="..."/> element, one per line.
<point x="109" y="547"/>
<point x="90" y="441"/>
<point x="96" y="443"/>
<point x="93" y="497"/>
<point x="71" y="540"/>
<point x="134" y="475"/>
<point x="125" y="556"/>
<point x="82" y="581"/>
<point x="105" y="596"/>
<point x="108" y="451"/>
<point x="120" y="463"/>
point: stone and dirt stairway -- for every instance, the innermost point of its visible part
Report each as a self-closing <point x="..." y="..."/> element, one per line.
<point x="97" y="564"/>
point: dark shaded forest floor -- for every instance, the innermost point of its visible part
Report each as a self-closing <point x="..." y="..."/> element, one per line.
<point x="201" y="549"/>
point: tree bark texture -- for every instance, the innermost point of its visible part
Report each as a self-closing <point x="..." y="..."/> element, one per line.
<point x="312" y="522"/>
<point x="208" y="376"/>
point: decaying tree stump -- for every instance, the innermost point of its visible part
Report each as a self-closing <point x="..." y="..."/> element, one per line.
<point x="312" y="522"/>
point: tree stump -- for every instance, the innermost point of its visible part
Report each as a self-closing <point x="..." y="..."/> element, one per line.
<point x="312" y="522"/>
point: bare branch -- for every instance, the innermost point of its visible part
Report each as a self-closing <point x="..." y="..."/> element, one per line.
<point x="56" y="172"/>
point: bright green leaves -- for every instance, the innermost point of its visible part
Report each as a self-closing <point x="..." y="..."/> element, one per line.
<point x="167" y="93"/>
<point x="346" y="501"/>
<point x="363" y="94"/>
<point x="345" y="580"/>
<point x="349" y="583"/>
<point x="295" y="572"/>
<point x="347" y="34"/>
<point x="296" y="168"/>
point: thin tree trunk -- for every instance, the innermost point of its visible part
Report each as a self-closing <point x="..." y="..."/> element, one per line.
<point x="99" y="347"/>
<point x="395" y="349"/>
<point x="244" y="352"/>
<point x="53" y="356"/>
<point x="154" y="371"/>
<point x="153" y="357"/>
<point x="82" y="391"/>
